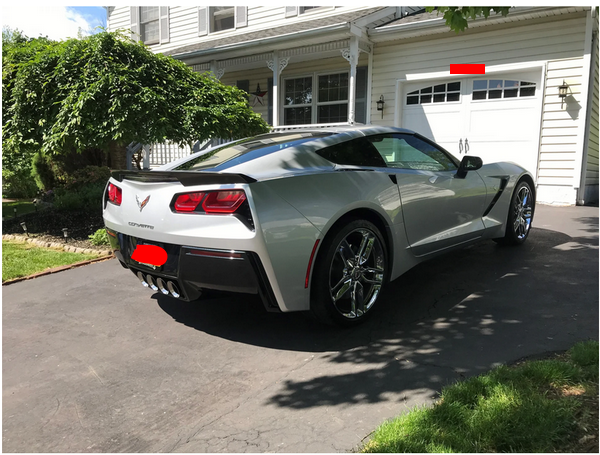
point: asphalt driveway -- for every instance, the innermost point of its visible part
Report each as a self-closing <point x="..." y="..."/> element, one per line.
<point x="94" y="362"/>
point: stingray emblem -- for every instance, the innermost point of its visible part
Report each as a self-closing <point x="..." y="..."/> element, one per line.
<point x="141" y="204"/>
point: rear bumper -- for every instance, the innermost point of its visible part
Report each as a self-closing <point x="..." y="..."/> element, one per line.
<point x="193" y="269"/>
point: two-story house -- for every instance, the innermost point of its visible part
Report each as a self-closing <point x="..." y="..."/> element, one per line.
<point x="536" y="104"/>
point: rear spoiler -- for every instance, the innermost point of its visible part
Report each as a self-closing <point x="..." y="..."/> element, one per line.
<point x="186" y="178"/>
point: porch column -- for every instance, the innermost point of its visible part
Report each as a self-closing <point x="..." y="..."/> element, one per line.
<point x="276" y="65"/>
<point x="351" y="55"/>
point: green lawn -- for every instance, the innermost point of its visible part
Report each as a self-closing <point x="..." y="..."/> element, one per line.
<point x="23" y="259"/>
<point x="537" y="406"/>
<point x="23" y="206"/>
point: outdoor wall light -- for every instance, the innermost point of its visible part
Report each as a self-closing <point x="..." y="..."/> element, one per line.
<point x="24" y="226"/>
<point x="562" y="90"/>
<point x="380" y="104"/>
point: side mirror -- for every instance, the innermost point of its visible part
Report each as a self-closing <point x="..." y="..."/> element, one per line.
<point x="468" y="163"/>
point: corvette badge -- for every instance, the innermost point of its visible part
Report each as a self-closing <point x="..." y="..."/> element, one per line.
<point x="141" y="204"/>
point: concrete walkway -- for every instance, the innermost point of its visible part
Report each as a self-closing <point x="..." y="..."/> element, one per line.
<point x="94" y="362"/>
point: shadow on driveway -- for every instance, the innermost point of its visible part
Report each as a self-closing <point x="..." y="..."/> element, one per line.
<point x="455" y="316"/>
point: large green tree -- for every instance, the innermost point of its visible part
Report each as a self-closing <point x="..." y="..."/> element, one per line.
<point x="457" y="16"/>
<point x="78" y="94"/>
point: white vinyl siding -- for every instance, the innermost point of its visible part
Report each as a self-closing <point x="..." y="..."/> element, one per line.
<point x="558" y="44"/>
<point x="118" y="18"/>
<point x="558" y="149"/>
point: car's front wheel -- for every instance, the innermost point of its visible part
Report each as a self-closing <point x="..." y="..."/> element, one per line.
<point x="520" y="215"/>
<point x="349" y="275"/>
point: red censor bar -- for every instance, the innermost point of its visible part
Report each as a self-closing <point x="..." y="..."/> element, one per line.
<point x="149" y="254"/>
<point x="476" y="68"/>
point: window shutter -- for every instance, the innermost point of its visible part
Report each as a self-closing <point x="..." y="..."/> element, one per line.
<point x="202" y="20"/>
<point x="241" y="16"/>
<point x="291" y="11"/>
<point x="165" y="33"/>
<point x="135" y="23"/>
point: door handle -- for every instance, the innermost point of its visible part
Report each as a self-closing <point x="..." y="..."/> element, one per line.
<point x="467" y="146"/>
<point x="460" y="146"/>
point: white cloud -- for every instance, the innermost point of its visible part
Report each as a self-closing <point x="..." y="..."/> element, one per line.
<point x="56" y="22"/>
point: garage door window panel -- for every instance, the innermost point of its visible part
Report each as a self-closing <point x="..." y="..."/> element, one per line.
<point x="494" y="89"/>
<point x="439" y="93"/>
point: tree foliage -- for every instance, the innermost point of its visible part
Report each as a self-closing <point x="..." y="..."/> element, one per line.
<point x="86" y="93"/>
<point x="457" y="16"/>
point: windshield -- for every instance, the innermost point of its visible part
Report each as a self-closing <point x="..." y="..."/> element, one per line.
<point x="247" y="149"/>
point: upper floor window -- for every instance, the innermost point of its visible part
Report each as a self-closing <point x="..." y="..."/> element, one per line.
<point x="220" y="18"/>
<point x="150" y="24"/>
<point x="440" y="93"/>
<point x="149" y="27"/>
<point x="291" y="11"/>
<point x="491" y="89"/>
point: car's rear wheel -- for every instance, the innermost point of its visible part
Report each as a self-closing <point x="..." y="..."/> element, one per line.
<point x="349" y="274"/>
<point x="520" y="215"/>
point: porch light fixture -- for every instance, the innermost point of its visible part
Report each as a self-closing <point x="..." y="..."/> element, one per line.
<point x="24" y="226"/>
<point x="562" y="90"/>
<point x="380" y="104"/>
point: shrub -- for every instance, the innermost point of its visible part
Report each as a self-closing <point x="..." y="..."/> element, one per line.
<point x="87" y="197"/>
<point x="99" y="237"/>
<point x="19" y="184"/>
<point x="87" y="175"/>
<point x="42" y="172"/>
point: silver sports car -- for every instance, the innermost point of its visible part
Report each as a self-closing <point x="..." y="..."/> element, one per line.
<point x="310" y="219"/>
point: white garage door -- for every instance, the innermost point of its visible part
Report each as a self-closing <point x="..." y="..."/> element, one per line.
<point x="494" y="117"/>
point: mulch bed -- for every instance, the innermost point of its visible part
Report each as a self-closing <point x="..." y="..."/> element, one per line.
<point x="47" y="225"/>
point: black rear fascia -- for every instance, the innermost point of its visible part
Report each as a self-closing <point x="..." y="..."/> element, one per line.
<point x="186" y="178"/>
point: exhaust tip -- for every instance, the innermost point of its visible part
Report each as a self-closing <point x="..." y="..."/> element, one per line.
<point x="150" y="281"/>
<point x="162" y="286"/>
<point x="173" y="289"/>
<point x="140" y="276"/>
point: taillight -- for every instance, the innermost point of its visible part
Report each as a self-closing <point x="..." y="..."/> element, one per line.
<point x="223" y="201"/>
<point x="218" y="202"/>
<point x="188" y="202"/>
<point x="115" y="195"/>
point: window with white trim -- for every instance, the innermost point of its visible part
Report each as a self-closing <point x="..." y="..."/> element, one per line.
<point x="149" y="24"/>
<point x="221" y="18"/>
<point x="439" y="93"/>
<point x="298" y="101"/>
<point x="493" y="89"/>
<point x="329" y="105"/>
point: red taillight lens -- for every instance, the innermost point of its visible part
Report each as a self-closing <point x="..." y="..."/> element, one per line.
<point x="188" y="202"/>
<point x="115" y="195"/>
<point x="223" y="201"/>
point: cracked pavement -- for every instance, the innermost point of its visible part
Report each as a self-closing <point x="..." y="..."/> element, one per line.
<point x="92" y="362"/>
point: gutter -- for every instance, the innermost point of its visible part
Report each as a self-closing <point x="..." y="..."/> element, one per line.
<point x="344" y="26"/>
<point x="422" y="27"/>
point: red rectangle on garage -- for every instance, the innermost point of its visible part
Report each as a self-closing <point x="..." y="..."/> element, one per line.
<point x="476" y="68"/>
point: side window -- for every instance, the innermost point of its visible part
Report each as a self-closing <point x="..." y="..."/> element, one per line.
<point x="357" y="152"/>
<point x="405" y="151"/>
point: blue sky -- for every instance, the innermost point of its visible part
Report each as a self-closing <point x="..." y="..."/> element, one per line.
<point x="55" y="21"/>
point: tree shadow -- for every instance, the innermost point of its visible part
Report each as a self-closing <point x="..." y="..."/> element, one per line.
<point x="457" y="315"/>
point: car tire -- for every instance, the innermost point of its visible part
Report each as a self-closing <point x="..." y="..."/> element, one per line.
<point x="520" y="215"/>
<point x="349" y="274"/>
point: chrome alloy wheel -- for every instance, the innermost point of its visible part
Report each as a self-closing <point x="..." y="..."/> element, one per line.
<point x="522" y="212"/>
<point x="357" y="272"/>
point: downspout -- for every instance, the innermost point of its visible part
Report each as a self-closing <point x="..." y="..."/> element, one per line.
<point x="588" y="116"/>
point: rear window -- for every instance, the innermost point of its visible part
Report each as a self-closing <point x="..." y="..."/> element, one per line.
<point x="248" y="149"/>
